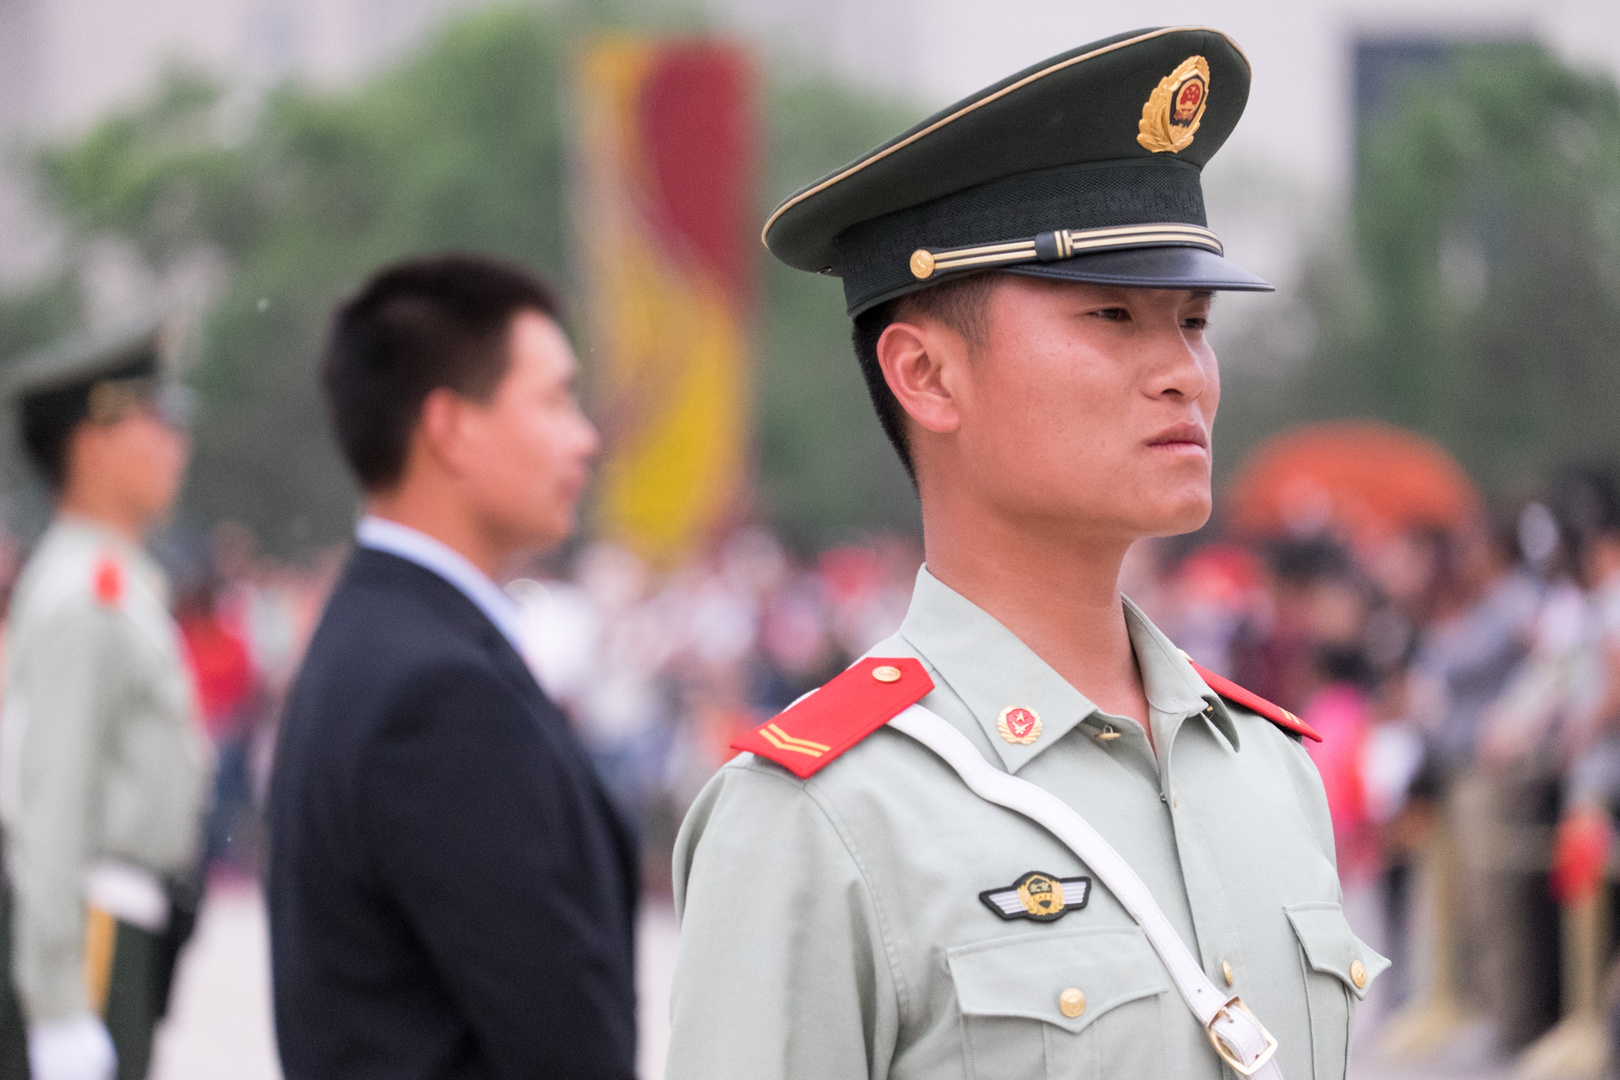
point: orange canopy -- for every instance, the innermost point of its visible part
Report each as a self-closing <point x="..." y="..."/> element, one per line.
<point x="1362" y="478"/>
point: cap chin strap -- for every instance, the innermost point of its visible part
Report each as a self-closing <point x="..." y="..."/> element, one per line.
<point x="1237" y="1035"/>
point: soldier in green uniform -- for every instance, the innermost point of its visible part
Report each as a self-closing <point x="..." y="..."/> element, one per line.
<point x="102" y="770"/>
<point x="1027" y="836"/>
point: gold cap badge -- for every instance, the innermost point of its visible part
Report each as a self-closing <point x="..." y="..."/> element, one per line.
<point x="1175" y="108"/>
<point x="1019" y="725"/>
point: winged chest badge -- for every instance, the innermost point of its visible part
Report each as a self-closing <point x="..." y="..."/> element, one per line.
<point x="1175" y="108"/>
<point x="1038" y="896"/>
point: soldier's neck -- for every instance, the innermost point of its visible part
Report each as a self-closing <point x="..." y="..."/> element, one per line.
<point x="104" y="513"/>
<point x="1056" y="592"/>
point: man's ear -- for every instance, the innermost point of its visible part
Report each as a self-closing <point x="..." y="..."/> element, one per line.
<point x="920" y="363"/>
<point x="438" y="427"/>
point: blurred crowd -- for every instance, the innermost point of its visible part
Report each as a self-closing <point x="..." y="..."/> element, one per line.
<point x="1466" y="685"/>
<point x="1465" y="680"/>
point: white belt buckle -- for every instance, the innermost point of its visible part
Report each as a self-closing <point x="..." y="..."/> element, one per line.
<point x="1225" y="1051"/>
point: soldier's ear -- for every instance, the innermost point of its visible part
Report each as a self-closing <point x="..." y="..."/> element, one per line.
<point x="920" y="362"/>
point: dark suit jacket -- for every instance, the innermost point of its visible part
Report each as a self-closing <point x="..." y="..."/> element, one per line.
<point x="451" y="893"/>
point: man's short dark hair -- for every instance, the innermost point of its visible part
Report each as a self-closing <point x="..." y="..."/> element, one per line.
<point x="414" y="327"/>
<point x="961" y="304"/>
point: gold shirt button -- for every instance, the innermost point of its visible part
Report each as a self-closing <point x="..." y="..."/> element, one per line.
<point x="1358" y="974"/>
<point x="1072" y="1002"/>
<point x="1226" y="970"/>
<point x="886" y="673"/>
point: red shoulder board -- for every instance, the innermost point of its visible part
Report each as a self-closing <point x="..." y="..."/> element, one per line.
<point x="108" y="581"/>
<point x="813" y="732"/>
<point x="1275" y="713"/>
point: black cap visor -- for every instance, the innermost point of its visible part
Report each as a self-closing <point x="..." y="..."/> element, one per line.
<point x="1150" y="268"/>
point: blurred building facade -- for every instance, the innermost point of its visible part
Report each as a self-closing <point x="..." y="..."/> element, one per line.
<point x="65" y="63"/>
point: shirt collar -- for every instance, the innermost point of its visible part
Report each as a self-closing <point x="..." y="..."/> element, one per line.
<point x="1173" y="688"/>
<point x="413" y="545"/>
<point x="991" y="670"/>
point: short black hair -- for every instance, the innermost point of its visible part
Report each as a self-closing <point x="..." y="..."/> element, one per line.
<point x="961" y="303"/>
<point x="416" y="326"/>
<point x="47" y="445"/>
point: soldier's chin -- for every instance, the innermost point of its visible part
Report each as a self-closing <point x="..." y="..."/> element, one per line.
<point x="1175" y="516"/>
<point x="1189" y="520"/>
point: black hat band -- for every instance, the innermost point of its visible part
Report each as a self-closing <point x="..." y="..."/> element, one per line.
<point x="1062" y="244"/>
<point x="1157" y="196"/>
<point x="110" y="400"/>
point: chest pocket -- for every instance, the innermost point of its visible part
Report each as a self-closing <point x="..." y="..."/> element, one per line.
<point x="1338" y="969"/>
<point x="1072" y="1005"/>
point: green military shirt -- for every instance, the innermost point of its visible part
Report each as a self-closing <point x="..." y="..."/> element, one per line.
<point x="833" y="927"/>
<point x="102" y="770"/>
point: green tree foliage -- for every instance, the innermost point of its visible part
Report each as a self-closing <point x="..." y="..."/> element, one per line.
<point x="462" y="146"/>
<point x="32" y="318"/>
<point x="1484" y="304"/>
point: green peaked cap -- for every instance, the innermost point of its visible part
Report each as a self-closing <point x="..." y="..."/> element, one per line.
<point x="75" y="364"/>
<point x="91" y="374"/>
<point x="1085" y="167"/>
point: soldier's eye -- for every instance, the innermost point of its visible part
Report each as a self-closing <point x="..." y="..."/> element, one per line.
<point x="1113" y="314"/>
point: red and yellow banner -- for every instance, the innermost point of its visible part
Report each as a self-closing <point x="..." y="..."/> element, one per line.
<point x="665" y="200"/>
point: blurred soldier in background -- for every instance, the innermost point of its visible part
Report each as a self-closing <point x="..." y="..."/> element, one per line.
<point x="451" y="892"/>
<point x="102" y="774"/>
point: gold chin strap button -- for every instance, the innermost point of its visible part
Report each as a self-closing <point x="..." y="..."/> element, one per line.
<point x="886" y="673"/>
<point x="1072" y="1002"/>
<point x="1226" y="970"/>
<point x="1358" y="974"/>
<point x="922" y="264"/>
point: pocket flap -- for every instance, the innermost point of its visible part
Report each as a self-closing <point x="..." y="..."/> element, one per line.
<point x="1029" y="976"/>
<point x="1332" y="948"/>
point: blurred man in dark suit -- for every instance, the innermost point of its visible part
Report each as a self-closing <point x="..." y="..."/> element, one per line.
<point x="451" y="893"/>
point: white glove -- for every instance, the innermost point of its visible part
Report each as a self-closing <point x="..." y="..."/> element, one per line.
<point x="78" y="1048"/>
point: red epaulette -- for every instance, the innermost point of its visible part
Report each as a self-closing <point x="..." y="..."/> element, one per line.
<point x="108" y="581"/>
<point x="819" y="727"/>
<point x="1254" y="702"/>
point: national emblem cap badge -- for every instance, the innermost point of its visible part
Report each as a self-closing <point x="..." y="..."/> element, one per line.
<point x="1038" y="896"/>
<point x="1019" y="725"/>
<point x="1174" y="110"/>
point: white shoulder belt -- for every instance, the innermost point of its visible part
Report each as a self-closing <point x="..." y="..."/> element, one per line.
<point x="1238" y="1036"/>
